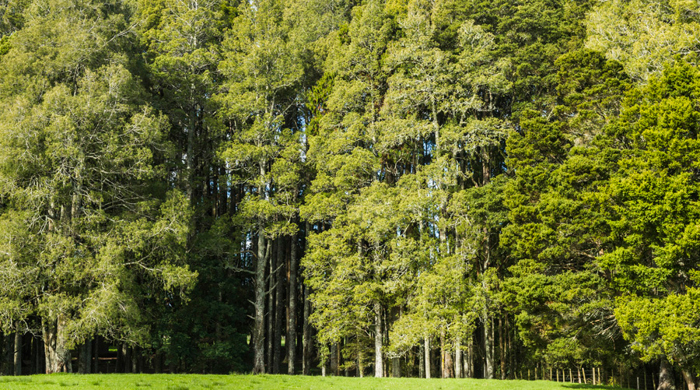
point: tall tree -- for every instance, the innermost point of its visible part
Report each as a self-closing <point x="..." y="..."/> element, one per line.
<point x="80" y="149"/>
<point x="261" y="70"/>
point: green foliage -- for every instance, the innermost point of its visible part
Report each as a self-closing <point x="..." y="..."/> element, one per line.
<point x="644" y="35"/>
<point x="78" y="147"/>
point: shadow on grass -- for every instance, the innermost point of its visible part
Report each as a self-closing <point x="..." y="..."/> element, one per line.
<point x="582" y="386"/>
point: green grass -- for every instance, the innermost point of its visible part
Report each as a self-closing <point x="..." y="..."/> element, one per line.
<point x="265" y="382"/>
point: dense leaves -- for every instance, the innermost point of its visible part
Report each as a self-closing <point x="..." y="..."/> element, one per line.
<point x="413" y="187"/>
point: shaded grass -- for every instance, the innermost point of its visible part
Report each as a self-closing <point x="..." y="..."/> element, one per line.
<point x="266" y="382"/>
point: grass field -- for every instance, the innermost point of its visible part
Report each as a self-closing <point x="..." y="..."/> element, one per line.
<point x="265" y="382"/>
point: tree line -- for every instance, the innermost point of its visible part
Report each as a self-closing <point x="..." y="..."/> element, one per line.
<point x="429" y="188"/>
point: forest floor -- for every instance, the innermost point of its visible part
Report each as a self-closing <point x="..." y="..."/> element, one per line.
<point x="265" y="382"/>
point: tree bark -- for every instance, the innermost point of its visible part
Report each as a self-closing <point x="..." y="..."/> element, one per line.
<point x="689" y="379"/>
<point x="502" y="347"/>
<point x="470" y="358"/>
<point x="488" y="342"/>
<point x="85" y="357"/>
<point x="306" y="326"/>
<point x="666" y="381"/>
<point x="396" y="367"/>
<point x="57" y="355"/>
<point x="306" y="341"/>
<point x="443" y="373"/>
<point x="259" y="326"/>
<point x="126" y="353"/>
<point x="510" y="353"/>
<point x="458" y="357"/>
<point x="427" y="356"/>
<point x="360" y="366"/>
<point x="378" y="362"/>
<point x="279" y="306"/>
<point x="292" y="319"/>
<point x="18" y="352"/>
<point x="271" y="288"/>
<point x="334" y="359"/>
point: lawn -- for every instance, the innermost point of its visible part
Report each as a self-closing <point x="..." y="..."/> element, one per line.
<point x="264" y="382"/>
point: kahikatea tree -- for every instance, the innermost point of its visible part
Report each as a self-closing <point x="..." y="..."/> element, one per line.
<point x="86" y="229"/>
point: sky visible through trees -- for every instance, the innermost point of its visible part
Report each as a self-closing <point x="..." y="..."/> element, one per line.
<point x="407" y="188"/>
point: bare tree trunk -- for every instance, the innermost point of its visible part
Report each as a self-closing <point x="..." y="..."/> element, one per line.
<point x="279" y="306"/>
<point x="666" y="381"/>
<point x="127" y="358"/>
<point x="470" y="358"/>
<point x="689" y="379"/>
<point x="57" y="355"/>
<point x="427" y="356"/>
<point x="443" y="373"/>
<point x="291" y="340"/>
<point x="378" y="362"/>
<point x="18" y="352"/>
<point x="84" y="358"/>
<point x="271" y="312"/>
<point x="306" y="326"/>
<point x="502" y="348"/>
<point x="396" y="367"/>
<point x="334" y="359"/>
<point x="306" y="337"/>
<point x="259" y="327"/>
<point x="458" y="357"/>
<point x="488" y="352"/>
<point x="510" y="353"/>
<point x="448" y="364"/>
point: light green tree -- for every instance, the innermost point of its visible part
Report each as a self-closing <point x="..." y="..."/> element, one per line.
<point x="78" y="152"/>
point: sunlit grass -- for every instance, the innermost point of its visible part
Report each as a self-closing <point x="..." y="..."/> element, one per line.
<point x="266" y="382"/>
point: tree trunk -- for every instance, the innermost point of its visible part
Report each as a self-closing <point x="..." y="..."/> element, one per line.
<point x="292" y="319"/>
<point x="360" y="365"/>
<point x="396" y="367"/>
<point x="85" y="357"/>
<point x="126" y="354"/>
<point x="279" y="307"/>
<point x="271" y="288"/>
<point x="666" y="381"/>
<point x="334" y="359"/>
<point x="427" y="356"/>
<point x="502" y="348"/>
<point x="472" y="358"/>
<point x="689" y="379"/>
<point x="511" y="355"/>
<point x="306" y="326"/>
<point x="306" y="341"/>
<point x="18" y="352"/>
<point x="378" y="362"/>
<point x="135" y="355"/>
<point x="57" y="355"/>
<point x="488" y="342"/>
<point x="259" y="327"/>
<point x="458" y="357"/>
<point x="442" y="353"/>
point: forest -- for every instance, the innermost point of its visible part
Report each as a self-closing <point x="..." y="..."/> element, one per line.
<point x="408" y="188"/>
